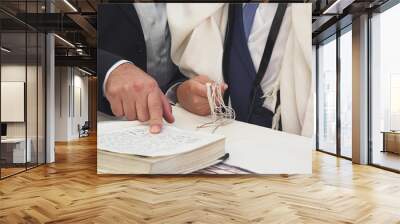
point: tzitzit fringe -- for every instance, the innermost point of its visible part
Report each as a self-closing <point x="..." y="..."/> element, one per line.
<point x="221" y="114"/>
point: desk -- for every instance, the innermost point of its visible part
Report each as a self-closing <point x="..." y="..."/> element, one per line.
<point x="13" y="150"/>
<point x="254" y="148"/>
<point x="391" y="141"/>
<point x="258" y="149"/>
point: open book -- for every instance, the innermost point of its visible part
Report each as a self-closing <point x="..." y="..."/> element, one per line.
<point x="129" y="148"/>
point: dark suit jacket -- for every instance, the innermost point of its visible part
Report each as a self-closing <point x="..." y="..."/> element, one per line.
<point x="120" y="37"/>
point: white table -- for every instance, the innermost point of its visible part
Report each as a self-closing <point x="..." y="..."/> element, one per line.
<point x="19" y="155"/>
<point x="258" y="149"/>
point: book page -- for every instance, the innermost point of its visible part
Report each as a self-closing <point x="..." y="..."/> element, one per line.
<point x="137" y="140"/>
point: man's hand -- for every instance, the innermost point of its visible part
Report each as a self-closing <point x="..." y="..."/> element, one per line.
<point x="192" y="95"/>
<point x="134" y="94"/>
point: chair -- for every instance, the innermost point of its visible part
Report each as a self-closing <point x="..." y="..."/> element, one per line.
<point x="84" y="130"/>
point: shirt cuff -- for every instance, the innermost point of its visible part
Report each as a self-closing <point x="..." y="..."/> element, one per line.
<point x="171" y="93"/>
<point x="118" y="63"/>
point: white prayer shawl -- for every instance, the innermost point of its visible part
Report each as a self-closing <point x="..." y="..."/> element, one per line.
<point x="197" y="37"/>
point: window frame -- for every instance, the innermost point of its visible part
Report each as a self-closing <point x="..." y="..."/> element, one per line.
<point x="334" y="37"/>
<point x="381" y="9"/>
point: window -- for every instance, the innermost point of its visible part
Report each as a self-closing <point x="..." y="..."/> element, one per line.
<point x="334" y="106"/>
<point x="385" y="89"/>
<point x="394" y="101"/>
<point x="346" y="93"/>
<point x="22" y="75"/>
<point x="327" y="97"/>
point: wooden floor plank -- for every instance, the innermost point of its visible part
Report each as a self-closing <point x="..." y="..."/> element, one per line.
<point x="70" y="191"/>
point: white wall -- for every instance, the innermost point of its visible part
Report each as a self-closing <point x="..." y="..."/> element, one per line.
<point x="16" y="73"/>
<point x="80" y="98"/>
<point x="33" y="126"/>
<point x="61" y="103"/>
<point x="71" y="94"/>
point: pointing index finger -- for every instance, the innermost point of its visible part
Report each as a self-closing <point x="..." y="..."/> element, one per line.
<point x="155" y="111"/>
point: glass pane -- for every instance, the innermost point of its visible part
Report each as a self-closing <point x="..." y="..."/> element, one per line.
<point x="385" y="84"/>
<point x="13" y="87"/>
<point x="32" y="90"/>
<point x="41" y="98"/>
<point x="314" y="74"/>
<point x="346" y="94"/>
<point x="31" y="99"/>
<point x="327" y="96"/>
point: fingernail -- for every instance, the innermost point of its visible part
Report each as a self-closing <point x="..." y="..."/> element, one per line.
<point x="225" y="86"/>
<point x="155" y="129"/>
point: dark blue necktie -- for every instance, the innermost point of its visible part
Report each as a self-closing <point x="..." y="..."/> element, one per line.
<point x="249" y="11"/>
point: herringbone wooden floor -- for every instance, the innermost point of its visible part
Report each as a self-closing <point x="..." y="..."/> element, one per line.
<point x="70" y="191"/>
